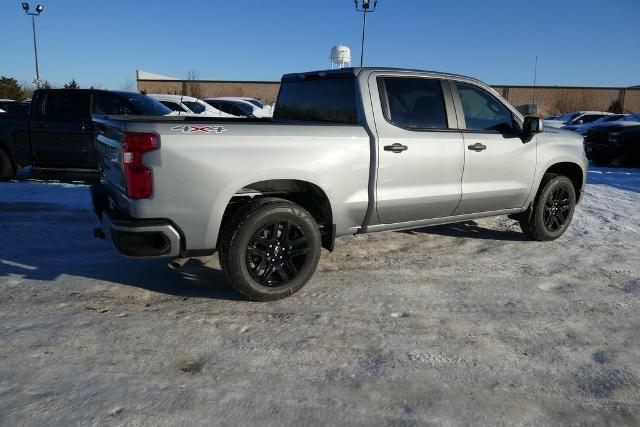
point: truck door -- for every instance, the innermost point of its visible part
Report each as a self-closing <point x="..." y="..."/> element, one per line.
<point x="62" y="133"/>
<point x="499" y="166"/>
<point x="420" y="149"/>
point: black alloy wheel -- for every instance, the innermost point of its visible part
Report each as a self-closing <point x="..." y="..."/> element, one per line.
<point x="551" y="212"/>
<point x="276" y="253"/>
<point x="556" y="209"/>
<point x="270" y="248"/>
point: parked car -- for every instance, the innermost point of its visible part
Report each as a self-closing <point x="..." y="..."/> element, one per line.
<point x="188" y="105"/>
<point x="582" y="129"/>
<point x="11" y="106"/>
<point x="576" y="118"/>
<point x="618" y="140"/>
<point x="348" y="151"/>
<point x="589" y="119"/>
<point x="5" y="102"/>
<point x="266" y="108"/>
<point x="58" y="133"/>
<point x="236" y="106"/>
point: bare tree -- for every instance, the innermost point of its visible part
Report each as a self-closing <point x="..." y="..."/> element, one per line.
<point x="572" y="100"/>
<point x="128" y="85"/>
<point x="192" y="87"/>
<point x="47" y="85"/>
<point x="615" y="107"/>
<point x="28" y="88"/>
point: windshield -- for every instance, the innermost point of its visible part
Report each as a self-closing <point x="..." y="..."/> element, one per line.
<point x="145" y="105"/>
<point x="195" y="106"/>
<point x="255" y="102"/>
<point x="568" y="117"/>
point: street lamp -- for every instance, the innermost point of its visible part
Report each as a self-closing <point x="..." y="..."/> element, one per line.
<point x="364" y="6"/>
<point x="39" y="9"/>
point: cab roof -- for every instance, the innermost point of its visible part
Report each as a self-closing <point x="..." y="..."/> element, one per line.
<point x="355" y="71"/>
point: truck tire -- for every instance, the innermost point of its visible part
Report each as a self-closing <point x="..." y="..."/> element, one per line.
<point x="551" y="212"/>
<point x="270" y="249"/>
<point x="7" y="171"/>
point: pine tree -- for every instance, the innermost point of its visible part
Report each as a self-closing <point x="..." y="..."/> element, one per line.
<point x="10" y="89"/>
<point x="72" y="85"/>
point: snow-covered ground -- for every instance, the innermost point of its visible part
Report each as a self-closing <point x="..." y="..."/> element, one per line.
<point x="460" y="324"/>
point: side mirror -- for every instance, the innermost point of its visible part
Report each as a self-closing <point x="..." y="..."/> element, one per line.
<point x="579" y="122"/>
<point x="532" y="125"/>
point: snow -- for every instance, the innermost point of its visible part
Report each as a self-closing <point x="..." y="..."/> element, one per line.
<point x="460" y="324"/>
<point x="626" y="179"/>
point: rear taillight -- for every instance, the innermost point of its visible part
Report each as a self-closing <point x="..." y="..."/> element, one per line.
<point x="137" y="176"/>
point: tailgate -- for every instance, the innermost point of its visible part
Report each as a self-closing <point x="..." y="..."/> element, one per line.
<point x="109" y="135"/>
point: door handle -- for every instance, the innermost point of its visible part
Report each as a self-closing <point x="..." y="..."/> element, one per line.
<point x="477" y="147"/>
<point x="396" y="148"/>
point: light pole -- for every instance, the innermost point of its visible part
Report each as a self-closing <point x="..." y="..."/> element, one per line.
<point x="39" y="9"/>
<point x="364" y="6"/>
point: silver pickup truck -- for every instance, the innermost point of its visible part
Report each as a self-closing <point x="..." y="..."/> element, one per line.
<point x="348" y="151"/>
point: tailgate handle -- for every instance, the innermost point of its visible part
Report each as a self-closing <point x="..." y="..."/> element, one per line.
<point x="396" y="148"/>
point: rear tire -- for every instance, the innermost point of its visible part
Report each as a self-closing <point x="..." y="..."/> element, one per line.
<point x="270" y="249"/>
<point x="550" y="214"/>
<point x="7" y="170"/>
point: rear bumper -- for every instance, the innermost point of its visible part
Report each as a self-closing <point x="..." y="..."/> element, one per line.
<point x="156" y="238"/>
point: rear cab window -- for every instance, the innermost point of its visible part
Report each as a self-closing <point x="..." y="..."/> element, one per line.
<point x="329" y="99"/>
<point x="66" y="105"/>
<point x="109" y="104"/>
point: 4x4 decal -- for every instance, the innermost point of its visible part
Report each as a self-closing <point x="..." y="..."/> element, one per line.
<point x="199" y="129"/>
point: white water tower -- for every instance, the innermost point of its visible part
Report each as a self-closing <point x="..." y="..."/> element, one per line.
<point x="340" y="56"/>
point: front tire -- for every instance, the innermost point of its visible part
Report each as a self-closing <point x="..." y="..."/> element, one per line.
<point x="270" y="249"/>
<point x="7" y="171"/>
<point x="552" y="210"/>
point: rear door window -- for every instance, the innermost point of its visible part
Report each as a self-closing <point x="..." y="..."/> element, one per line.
<point x="483" y="112"/>
<point x="414" y="103"/>
<point x="67" y="105"/>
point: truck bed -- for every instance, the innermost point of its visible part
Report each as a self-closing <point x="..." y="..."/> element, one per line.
<point x="202" y="164"/>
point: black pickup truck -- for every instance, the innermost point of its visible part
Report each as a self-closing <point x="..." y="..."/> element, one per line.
<point x="57" y="132"/>
<point x="619" y="140"/>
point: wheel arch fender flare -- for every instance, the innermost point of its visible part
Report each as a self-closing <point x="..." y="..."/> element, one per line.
<point x="557" y="164"/>
<point x="221" y="201"/>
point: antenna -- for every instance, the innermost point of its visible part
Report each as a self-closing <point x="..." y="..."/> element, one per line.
<point x="181" y="96"/>
<point x="365" y="7"/>
<point x="535" y="78"/>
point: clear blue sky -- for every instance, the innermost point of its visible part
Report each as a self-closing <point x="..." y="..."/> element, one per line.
<point x="586" y="42"/>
